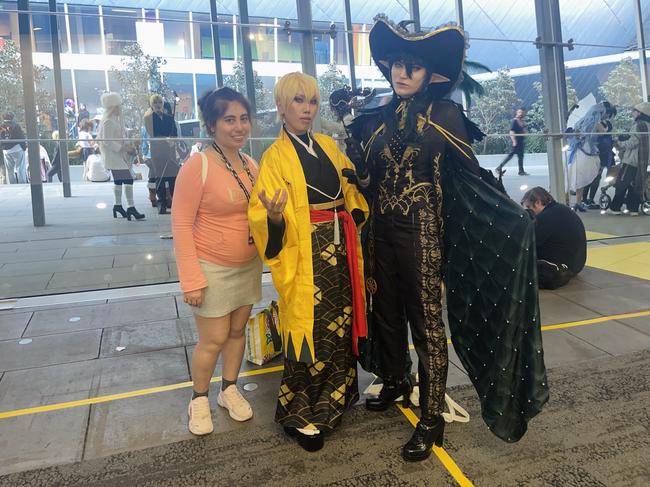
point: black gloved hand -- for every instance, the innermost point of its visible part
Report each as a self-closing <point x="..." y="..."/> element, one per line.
<point x="351" y="176"/>
<point x="354" y="151"/>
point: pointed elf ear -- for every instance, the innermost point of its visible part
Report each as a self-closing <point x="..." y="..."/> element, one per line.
<point x="438" y="78"/>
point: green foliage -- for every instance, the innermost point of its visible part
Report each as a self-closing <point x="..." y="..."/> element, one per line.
<point x="138" y="80"/>
<point x="494" y="110"/>
<point x="332" y="79"/>
<point x="535" y="115"/>
<point x="623" y="90"/>
<point x="263" y="97"/>
<point x="11" y="86"/>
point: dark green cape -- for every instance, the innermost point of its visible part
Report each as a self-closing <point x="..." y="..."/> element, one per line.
<point x="490" y="276"/>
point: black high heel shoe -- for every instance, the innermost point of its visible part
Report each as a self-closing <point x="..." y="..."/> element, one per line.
<point x="309" y="443"/>
<point x="132" y="212"/>
<point x="118" y="209"/>
<point x="391" y="390"/>
<point x="426" y="434"/>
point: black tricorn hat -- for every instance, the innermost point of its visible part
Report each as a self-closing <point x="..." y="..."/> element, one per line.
<point x="442" y="49"/>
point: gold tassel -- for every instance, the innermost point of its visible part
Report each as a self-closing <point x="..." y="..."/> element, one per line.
<point x="337" y="232"/>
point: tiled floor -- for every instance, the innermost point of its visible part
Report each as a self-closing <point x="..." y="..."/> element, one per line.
<point x="76" y="353"/>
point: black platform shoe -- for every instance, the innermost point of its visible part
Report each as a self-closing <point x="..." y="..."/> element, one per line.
<point x="391" y="390"/>
<point x="162" y="209"/>
<point x="118" y="209"/>
<point x="132" y="212"/>
<point x="309" y="443"/>
<point x="426" y="434"/>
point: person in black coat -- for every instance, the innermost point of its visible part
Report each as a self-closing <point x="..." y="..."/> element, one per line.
<point x="471" y="235"/>
<point x="560" y="236"/>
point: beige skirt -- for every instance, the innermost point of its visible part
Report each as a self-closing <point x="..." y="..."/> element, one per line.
<point x="229" y="288"/>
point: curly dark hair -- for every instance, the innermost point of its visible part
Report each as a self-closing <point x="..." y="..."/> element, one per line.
<point x="214" y="103"/>
<point x="536" y="194"/>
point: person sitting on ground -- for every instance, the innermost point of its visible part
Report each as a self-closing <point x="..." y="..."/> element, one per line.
<point x="95" y="170"/>
<point x="560" y="236"/>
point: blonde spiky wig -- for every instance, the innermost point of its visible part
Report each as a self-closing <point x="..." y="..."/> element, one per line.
<point x="289" y="86"/>
<point x="155" y="98"/>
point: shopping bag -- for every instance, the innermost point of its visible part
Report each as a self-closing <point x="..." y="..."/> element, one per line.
<point x="263" y="341"/>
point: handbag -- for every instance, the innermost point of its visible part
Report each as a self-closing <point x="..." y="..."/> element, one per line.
<point x="263" y="341"/>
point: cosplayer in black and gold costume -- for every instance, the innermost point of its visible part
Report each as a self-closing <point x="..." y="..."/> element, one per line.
<point x="436" y="214"/>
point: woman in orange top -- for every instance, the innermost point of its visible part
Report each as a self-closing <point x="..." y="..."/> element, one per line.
<point x="218" y="266"/>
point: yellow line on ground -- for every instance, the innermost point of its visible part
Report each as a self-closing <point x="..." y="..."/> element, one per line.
<point x="593" y="321"/>
<point x="250" y="373"/>
<point x="448" y="462"/>
<point x="124" y="395"/>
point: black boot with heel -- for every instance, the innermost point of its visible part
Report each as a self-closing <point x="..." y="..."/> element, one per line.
<point x="132" y="212"/>
<point x="428" y="432"/>
<point x="119" y="209"/>
<point x="392" y="389"/>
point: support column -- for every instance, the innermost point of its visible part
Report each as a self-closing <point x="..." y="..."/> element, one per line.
<point x="307" y="46"/>
<point x="216" y="48"/>
<point x="306" y="38"/>
<point x="247" y="54"/>
<point x="551" y="72"/>
<point x="414" y="11"/>
<point x="558" y="60"/>
<point x="349" y="36"/>
<point x="640" y="40"/>
<point x="27" y="71"/>
<point x="59" y="99"/>
<point x="460" y="16"/>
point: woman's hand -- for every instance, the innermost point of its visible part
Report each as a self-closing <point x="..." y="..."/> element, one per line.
<point x="194" y="298"/>
<point x="275" y="206"/>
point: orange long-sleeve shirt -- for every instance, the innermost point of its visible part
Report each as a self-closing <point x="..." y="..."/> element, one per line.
<point x="209" y="221"/>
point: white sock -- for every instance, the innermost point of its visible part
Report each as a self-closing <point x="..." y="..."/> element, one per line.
<point x="128" y="192"/>
<point x="308" y="432"/>
<point x="117" y="192"/>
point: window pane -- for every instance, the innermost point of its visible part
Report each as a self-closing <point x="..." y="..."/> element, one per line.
<point x="90" y="86"/>
<point x="84" y="30"/>
<point x="119" y="26"/>
<point x="183" y="85"/>
<point x="177" y="33"/>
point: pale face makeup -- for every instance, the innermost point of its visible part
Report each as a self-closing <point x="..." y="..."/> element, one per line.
<point x="406" y="86"/>
<point x="300" y="113"/>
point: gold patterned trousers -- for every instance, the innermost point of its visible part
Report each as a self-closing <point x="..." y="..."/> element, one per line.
<point x="407" y="263"/>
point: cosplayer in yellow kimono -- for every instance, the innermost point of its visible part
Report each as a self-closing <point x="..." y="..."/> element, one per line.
<point x="303" y="217"/>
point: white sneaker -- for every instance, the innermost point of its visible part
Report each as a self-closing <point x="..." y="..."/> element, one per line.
<point x="633" y="213"/>
<point x="609" y="211"/>
<point x="200" y="422"/>
<point x="234" y="402"/>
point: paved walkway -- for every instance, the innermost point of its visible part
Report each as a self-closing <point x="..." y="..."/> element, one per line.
<point x="80" y="382"/>
<point x="83" y="248"/>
